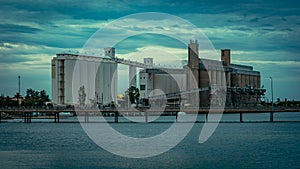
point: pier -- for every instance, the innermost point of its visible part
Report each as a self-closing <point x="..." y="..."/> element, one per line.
<point x="28" y="114"/>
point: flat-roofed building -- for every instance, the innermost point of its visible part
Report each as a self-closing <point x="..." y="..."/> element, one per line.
<point x="97" y="75"/>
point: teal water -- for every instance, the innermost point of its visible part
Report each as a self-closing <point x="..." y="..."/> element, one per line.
<point x="233" y="145"/>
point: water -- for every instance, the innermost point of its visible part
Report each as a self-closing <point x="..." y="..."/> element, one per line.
<point x="233" y="145"/>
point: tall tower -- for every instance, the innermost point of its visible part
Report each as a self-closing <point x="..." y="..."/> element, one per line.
<point x="225" y="56"/>
<point x="148" y="61"/>
<point x="193" y="64"/>
<point x="110" y="52"/>
<point x="19" y="84"/>
<point x="193" y="73"/>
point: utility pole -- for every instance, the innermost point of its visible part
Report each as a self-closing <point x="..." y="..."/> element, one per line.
<point x="272" y="104"/>
<point x="19" y="90"/>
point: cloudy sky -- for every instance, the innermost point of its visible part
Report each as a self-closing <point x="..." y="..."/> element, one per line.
<point x="264" y="34"/>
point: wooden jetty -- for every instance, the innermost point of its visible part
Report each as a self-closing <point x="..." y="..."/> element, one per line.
<point x="27" y="114"/>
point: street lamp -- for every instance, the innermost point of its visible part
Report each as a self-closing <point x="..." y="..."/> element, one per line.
<point x="271" y="113"/>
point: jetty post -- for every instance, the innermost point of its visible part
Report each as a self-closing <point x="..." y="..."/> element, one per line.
<point x="56" y="117"/>
<point x="241" y="117"/>
<point x="86" y="117"/>
<point x="272" y="105"/>
<point x="146" y="116"/>
<point x="116" y="116"/>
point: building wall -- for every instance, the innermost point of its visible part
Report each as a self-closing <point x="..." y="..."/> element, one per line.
<point x="170" y="83"/>
<point x="204" y="81"/>
<point x="193" y="64"/>
<point x="166" y="82"/>
<point x="54" y="80"/>
<point x="146" y="84"/>
<point x="236" y="80"/>
<point x="69" y="67"/>
<point x="96" y="76"/>
<point x="225" y="57"/>
<point x="100" y="78"/>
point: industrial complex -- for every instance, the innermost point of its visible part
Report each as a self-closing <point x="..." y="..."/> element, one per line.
<point x="98" y="77"/>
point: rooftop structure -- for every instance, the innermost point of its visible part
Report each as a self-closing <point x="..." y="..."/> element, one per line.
<point x="72" y="70"/>
<point x="240" y="82"/>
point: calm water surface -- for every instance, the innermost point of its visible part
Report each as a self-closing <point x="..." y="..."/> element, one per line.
<point x="233" y="145"/>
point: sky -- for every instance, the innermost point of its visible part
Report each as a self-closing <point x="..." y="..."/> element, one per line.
<point x="262" y="33"/>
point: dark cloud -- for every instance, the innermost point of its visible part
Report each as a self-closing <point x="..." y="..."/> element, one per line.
<point x="9" y="59"/>
<point x="254" y="20"/>
<point x="243" y="28"/>
<point x="14" y="28"/>
<point x="132" y="43"/>
<point x="47" y="27"/>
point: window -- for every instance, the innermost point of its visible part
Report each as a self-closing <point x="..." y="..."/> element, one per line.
<point x="142" y="87"/>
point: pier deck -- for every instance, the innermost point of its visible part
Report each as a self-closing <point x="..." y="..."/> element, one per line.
<point x="27" y="114"/>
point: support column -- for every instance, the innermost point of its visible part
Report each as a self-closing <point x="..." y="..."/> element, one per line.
<point x="132" y="76"/>
<point x="241" y="117"/>
<point x="228" y="78"/>
<point x="210" y="76"/>
<point x="24" y="115"/>
<point x="214" y="77"/>
<point x="243" y="80"/>
<point x="255" y="82"/>
<point x="247" y="80"/>
<point x="271" y="116"/>
<point x="258" y="81"/>
<point x="252" y="80"/>
<point x="116" y="116"/>
<point x="86" y="117"/>
<point x="56" y="117"/>
<point x="27" y="117"/>
<point x="146" y="116"/>
<point x="219" y="78"/>
<point x="223" y="79"/>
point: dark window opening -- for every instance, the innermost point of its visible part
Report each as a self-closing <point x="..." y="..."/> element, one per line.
<point x="142" y="87"/>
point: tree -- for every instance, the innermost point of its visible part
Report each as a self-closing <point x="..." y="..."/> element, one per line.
<point x="93" y="102"/>
<point x="134" y="95"/>
<point x="44" y="97"/>
<point x="82" y="96"/>
<point x="35" y="98"/>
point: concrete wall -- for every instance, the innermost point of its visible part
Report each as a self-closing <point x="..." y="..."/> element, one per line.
<point x="236" y="80"/>
<point x="193" y="64"/>
<point x="170" y="83"/>
<point x="98" y="78"/>
<point x="54" y="80"/>
<point x="166" y="82"/>
<point x="225" y="56"/>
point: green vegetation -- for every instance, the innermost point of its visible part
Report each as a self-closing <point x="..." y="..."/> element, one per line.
<point x="134" y="95"/>
<point x="33" y="98"/>
<point x="82" y="96"/>
<point x="8" y="102"/>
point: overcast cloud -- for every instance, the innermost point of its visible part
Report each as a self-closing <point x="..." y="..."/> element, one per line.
<point x="264" y="34"/>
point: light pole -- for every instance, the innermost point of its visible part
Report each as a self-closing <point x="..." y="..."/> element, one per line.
<point x="272" y="104"/>
<point x="19" y="91"/>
